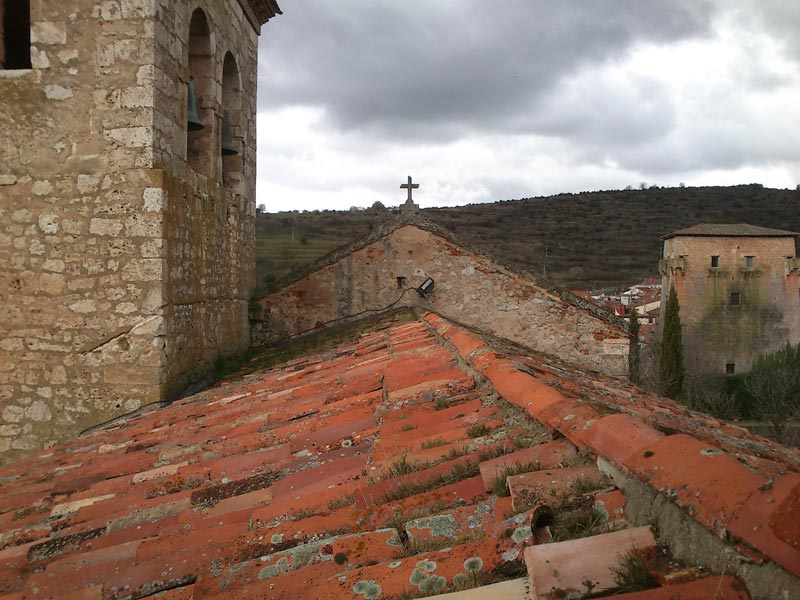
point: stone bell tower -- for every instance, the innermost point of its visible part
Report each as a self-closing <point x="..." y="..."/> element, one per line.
<point x="126" y="233"/>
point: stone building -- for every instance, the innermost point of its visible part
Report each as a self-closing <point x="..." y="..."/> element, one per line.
<point x="385" y="269"/>
<point x="738" y="286"/>
<point x="126" y="235"/>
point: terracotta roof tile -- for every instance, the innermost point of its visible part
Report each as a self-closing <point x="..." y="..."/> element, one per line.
<point x="582" y="565"/>
<point x="550" y="487"/>
<point x="768" y="522"/>
<point x="718" y="588"/>
<point x="698" y="476"/>
<point x="370" y="466"/>
<point x="545" y="456"/>
<point x="615" y="437"/>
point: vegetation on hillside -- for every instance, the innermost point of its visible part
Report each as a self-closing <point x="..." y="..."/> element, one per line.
<point x="590" y="239"/>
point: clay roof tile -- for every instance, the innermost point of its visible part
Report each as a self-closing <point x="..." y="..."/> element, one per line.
<point x="371" y="469"/>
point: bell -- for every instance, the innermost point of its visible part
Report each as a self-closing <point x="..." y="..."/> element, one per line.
<point x="192" y="117"/>
<point x="228" y="149"/>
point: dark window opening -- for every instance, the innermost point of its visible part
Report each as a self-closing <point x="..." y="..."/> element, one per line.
<point x="730" y="368"/>
<point x="401" y="283"/>
<point x="715" y="261"/>
<point x="232" y="132"/>
<point x="736" y="298"/>
<point x="15" y="34"/>
<point x="749" y="261"/>
<point x="200" y="126"/>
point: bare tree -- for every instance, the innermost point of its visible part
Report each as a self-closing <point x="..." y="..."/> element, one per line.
<point x="774" y="384"/>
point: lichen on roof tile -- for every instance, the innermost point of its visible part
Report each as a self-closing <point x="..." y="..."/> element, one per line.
<point x="367" y="469"/>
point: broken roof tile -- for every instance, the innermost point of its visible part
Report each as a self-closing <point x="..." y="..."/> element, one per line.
<point x="582" y="566"/>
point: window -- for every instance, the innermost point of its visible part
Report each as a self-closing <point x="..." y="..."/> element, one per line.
<point x="401" y="283"/>
<point x="730" y="368"/>
<point x="15" y="34"/>
<point x="199" y="139"/>
<point x="736" y="298"/>
<point x="749" y="261"/>
<point x="232" y="142"/>
<point x="715" y="261"/>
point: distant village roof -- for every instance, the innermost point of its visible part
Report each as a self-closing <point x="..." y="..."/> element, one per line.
<point x="414" y="457"/>
<point x="729" y="230"/>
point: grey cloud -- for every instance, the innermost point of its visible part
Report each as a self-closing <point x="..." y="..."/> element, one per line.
<point x="418" y="69"/>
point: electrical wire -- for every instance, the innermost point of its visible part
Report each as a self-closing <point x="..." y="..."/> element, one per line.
<point x="346" y="317"/>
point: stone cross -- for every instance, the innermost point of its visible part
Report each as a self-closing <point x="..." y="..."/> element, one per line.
<point x="409" y="186"/>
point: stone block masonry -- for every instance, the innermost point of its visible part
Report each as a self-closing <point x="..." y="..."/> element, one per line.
<point x="469" y="288"/>
<point x="739" y="292"/>
<point x="125" y="271"/>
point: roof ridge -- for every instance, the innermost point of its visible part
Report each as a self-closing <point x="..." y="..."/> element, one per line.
<point x="729" y="230"/>
<point x="415" y="219"/>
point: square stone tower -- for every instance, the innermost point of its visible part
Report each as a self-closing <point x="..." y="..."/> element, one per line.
<point x="738" y="287"/>
<point x="126" y="232"/>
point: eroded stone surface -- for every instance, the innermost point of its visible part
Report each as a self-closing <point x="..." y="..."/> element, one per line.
<point x="108" y="224"/>
<point x="469" y="288"/>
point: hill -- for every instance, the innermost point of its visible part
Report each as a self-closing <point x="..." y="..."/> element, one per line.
<point x="589" y="239"/>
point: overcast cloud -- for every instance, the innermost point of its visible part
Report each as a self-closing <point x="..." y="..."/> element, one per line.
<point x="489" y="101"/>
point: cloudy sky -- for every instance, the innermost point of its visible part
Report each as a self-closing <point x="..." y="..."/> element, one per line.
<point x="486" y="101"/>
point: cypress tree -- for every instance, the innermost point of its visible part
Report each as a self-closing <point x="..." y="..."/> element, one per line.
<point x="633" y="352"/>
<point x="671" y="370"/>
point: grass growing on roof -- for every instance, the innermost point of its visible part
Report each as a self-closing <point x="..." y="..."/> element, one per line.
<point x="341" y="502"/>
<point x="579" y="520"/>
<point x="478" y="430"/>
<point x="303" y="513"/>
<point x="435" y="443"/>
<point x="404" y="466"/>
<point x="419" y="546"/>
<point x="459" y="471"/>
<point x="441" y="404"/>
<point x="631" y="574"/>
<point x="500" y="484"/>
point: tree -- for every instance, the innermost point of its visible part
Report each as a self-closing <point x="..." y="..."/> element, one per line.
<point x="671" y="369"/>
<point x="633" y="352"/>
<point x="774" y="385"/>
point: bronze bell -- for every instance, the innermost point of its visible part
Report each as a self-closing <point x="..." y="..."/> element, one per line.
<point x="193" y="117"/>
<point x="228" y="149"/>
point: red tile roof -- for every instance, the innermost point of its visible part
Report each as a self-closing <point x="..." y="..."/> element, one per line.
<point x="414" y="458"/>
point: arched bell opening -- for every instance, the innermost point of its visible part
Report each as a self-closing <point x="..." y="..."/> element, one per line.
<point x="200" y="96"/>
<point x="232" y="130"/>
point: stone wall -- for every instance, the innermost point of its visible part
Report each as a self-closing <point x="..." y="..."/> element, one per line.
<point x="123" y="272"/>
<point x="209" y="213"/>
<point x="718" y="331"/>
<point x="469" y="288"/>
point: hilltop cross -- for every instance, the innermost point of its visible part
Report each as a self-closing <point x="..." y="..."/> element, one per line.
<point x="409" y="186"/>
